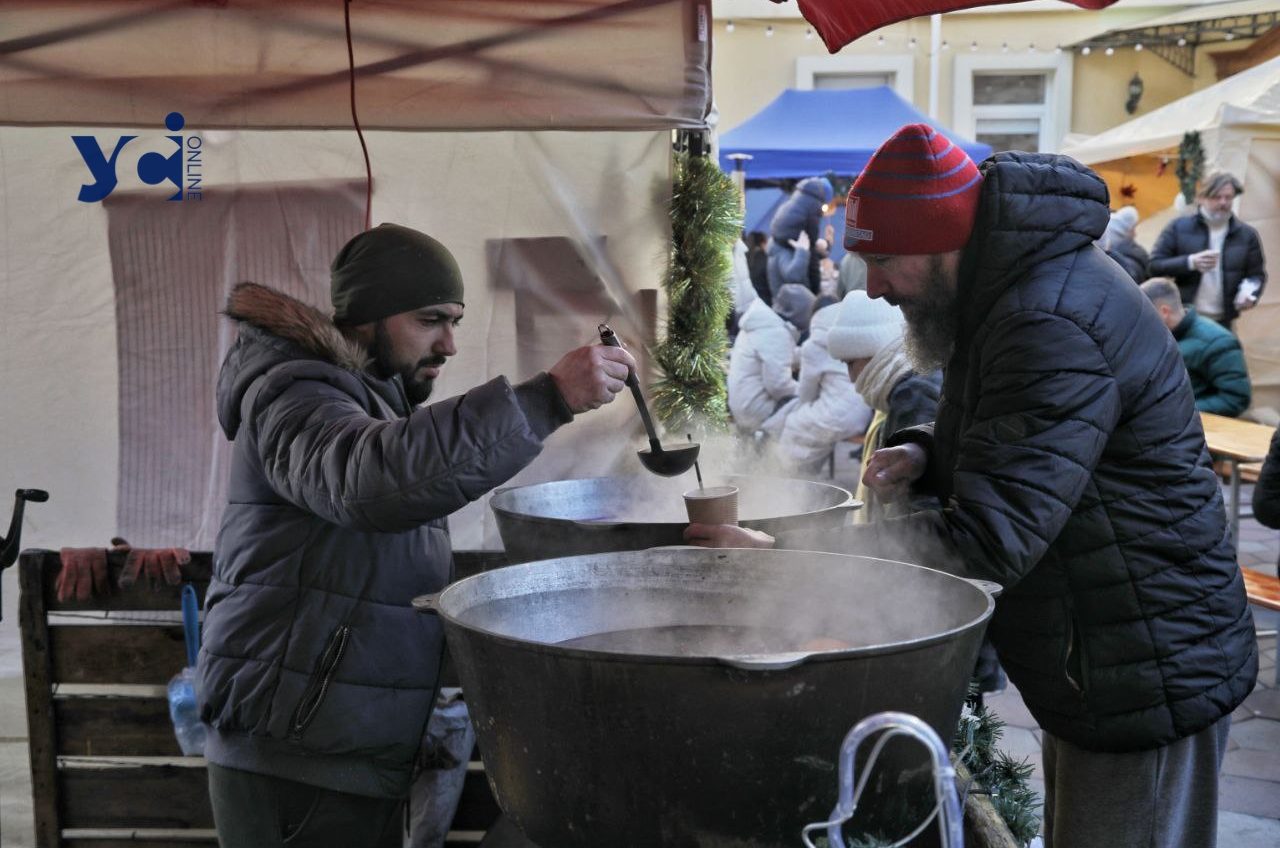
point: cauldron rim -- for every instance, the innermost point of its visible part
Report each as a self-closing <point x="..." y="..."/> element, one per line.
<point x="499" y="501"/>
<point x="440" y="602"/>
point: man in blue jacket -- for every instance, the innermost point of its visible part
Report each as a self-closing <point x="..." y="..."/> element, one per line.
<point x="1071" y="468"/>
<point x="1214" y="360"/>
<point x="316" y="675"/>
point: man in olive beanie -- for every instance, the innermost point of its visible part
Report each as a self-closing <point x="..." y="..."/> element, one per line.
<point x="316" y="676"/>
<point x="388" y="271"/>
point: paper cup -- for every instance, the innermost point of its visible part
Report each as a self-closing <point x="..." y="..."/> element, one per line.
<point x="712" y="505"/>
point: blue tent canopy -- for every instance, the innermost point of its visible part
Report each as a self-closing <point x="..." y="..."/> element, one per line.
<point x="809" y="133"/>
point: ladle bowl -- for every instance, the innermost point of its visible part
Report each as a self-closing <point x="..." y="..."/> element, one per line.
<point x="669" y="462"/>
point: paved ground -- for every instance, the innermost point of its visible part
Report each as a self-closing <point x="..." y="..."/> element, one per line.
<point x="1249" y="803"/>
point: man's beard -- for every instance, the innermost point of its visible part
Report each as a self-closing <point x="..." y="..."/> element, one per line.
<point x="1216" y="219"/>
<point x="932" y="322"/>
<point x="386" y="367"/>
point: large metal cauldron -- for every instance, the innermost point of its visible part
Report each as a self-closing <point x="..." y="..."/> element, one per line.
<point x="571" y="517"/>
<point x="663" y="697"/>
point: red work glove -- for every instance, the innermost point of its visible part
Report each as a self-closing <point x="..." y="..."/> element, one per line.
<point x="155" y="563"/>
<point x="84" y="572"/>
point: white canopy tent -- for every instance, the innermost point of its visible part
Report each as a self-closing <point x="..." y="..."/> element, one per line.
<point x="1239" y="124"/>
<point x="111" y="338"/>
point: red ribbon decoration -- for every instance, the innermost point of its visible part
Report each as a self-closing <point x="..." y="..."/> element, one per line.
<point x="842" y="21"/>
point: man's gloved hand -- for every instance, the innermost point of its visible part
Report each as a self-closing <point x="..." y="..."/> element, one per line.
<point x="84" y="573"/>
<point x="155" y="563"/>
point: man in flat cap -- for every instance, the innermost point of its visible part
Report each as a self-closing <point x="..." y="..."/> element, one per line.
<point x="316" y="675"/>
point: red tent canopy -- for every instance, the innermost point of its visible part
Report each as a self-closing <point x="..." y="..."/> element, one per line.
<point x="842" y="21"/>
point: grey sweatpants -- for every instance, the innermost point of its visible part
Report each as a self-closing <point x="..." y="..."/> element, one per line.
<point x="1143" y="799"/>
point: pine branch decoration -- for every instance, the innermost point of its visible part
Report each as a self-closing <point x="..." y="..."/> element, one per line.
<point x="705" y="221"/>
<point x="1004" y="778"/>
<point x="1190" y="165"/>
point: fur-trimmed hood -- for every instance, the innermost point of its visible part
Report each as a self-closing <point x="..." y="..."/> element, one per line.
<point x="292" y="320"/>
<point x="276" y="328"/>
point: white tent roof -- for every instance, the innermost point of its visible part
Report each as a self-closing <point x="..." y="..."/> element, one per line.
<point x="1249" y="98"/>
<point x="1210" y="12"/>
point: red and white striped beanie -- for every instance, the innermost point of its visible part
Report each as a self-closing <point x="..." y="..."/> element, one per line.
<point x="918" y="194"/>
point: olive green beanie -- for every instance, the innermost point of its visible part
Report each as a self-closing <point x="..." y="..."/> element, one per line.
<point x="388" y="270"/>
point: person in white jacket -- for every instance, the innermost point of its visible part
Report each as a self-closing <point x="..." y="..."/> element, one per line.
<point x="761" y="385"/>
<point x="827" y="410"/>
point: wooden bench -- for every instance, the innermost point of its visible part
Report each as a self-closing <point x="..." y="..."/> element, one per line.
<point x="106" y="769"/>
<point x="1263" y="590"/>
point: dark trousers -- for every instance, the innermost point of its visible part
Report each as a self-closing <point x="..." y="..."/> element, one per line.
<point x="256" y="811"/>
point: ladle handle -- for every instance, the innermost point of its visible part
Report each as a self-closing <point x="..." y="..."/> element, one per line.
<point x="610" y="338"/>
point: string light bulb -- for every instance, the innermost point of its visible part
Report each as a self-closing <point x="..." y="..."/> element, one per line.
<point x="808" y="34"/>
<point x="1031" y="48"/>
<point x="1137" y="48"/>
<point x="768" y="31"/>
<point x="1231" y="36"/>
<point x="1182" y="42"/>
<point x="1058" y="49"/>
<point x="728" y="27"/>
<point x="880" y="41"/>
<point x="1110" y="51"/>
<point x="973" y="47"/>
<point x="946" y="46"/>
<point x="912" y="44"/>
<point x="1004" y="48"/>
<point x="1086" y="50"/>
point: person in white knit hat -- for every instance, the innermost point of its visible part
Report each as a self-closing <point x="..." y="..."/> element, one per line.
<point x="827" y="409"/>
<point x="867" y="337"/>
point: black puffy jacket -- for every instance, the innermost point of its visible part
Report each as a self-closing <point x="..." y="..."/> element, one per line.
<point x="1266" y="494"/>
<point x="1070" y="460"/>
<point x="1241" y="258"/>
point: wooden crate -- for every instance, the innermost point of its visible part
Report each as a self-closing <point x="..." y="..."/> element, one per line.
<point x="106" y="770"/>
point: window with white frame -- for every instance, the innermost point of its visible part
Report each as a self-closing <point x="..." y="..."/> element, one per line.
<point x="894" y="70"/>
<point x="1020" y="102"/>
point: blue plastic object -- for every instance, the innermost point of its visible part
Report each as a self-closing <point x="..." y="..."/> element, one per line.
<point x="184" y="708"/>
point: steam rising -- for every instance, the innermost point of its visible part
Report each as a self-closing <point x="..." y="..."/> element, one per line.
<point x="802" y="602"/>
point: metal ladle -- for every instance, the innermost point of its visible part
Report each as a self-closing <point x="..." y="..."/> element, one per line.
<point x="665" y="462"/>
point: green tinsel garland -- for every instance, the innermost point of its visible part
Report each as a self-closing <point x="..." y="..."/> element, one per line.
<point x="1190" y="165"/>
<point x="705" y="221"/>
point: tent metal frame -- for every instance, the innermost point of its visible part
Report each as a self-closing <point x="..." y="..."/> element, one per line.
<point x="1177" y="43"/>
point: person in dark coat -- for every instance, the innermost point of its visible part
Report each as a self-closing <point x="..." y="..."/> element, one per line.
<point x="1266" y="493"/>
<point x="1214" y="360"/>
<point x="317" y="676"/>
<point x="1071" y="468"/>
<point x="1214" y="257"/>
<point x="1118" y="242"/>
<point x="795" y="244"/>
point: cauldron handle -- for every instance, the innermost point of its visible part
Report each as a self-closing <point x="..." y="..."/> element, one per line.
<point x="991" y="587"/>
<point x="429" y="604"/>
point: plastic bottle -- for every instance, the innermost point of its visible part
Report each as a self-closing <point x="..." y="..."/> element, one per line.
<point x="187" y="725"/>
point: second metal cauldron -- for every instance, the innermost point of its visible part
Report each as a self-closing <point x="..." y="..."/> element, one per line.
<point x="571" y="517"/>
<point x="727" y="738"/>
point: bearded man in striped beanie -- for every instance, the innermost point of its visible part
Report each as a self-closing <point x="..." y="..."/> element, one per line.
<point x="1070" y="467"/>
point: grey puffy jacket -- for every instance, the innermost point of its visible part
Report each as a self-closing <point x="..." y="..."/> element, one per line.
<point x="314" y="666"/>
